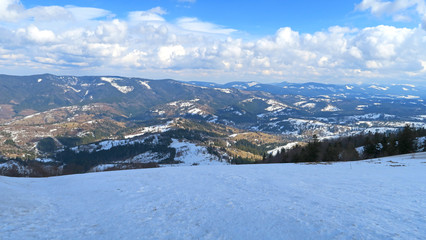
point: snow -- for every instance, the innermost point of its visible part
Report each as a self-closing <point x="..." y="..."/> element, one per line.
<point x="330" y="108"/>
<point x="378" y="130"/>
<point x="21" y="169"/>
<point x="360" y="150"/>
<point x="196" y="111"/>
<point x="408" y="85"/>
<point x="102" y="167"/>
<point x="420" y="143"/>
<point x="238" y="113"/>
<point x="147" y="157"/>
<point x="32" y="115"/>
<point x="224" y="90"/>
<point x="369" y="116"/>
<point x="309" y="105"/>
<point x="251" y="99"/>
<point x="151" y="129"/>
<point x="374" y="199"/>
<point x="45" y="160"/>
<point x="361" y="107"/>
<point x="191" y="154"/>
<point x="349" y="87"/>
<point x="251" y="84"/>
<point x="123" y="89"/>
<point x="106" y="145"/>
<point x="288" y="146"/>
<point x="183" y="104"/>
<point x="299" y="103"/>
<point x="275" y="106"/>
<point x="378" y="88"/>
<point x="145" y="84"/>
<point x="409" y="97"/>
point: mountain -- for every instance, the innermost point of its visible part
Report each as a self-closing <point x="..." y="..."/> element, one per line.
<point x="43" y="114"/>
<point x="311" y="89"/>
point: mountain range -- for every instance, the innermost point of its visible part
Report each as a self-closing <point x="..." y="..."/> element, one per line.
<point x="91" y="109"/>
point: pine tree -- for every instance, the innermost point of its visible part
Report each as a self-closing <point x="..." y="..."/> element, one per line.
<point x="406" y="140"/>
<point x="312" y="150"/>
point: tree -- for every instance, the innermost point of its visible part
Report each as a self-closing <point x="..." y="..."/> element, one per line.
<point x="312" y="150"/>
<point x="46" y="145"/>
<point x="406" y="140"/>
<point x="331" y="154"/>
<point x="424" y="145"/>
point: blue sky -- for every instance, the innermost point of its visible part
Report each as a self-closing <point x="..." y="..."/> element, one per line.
<point x="257" y="18"/>
<point x="269" y="40"/>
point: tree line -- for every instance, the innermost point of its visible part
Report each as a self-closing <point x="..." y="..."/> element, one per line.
<point x="363" y="146"/>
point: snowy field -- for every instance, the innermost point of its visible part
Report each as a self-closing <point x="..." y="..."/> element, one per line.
<point x="372" y="199"/>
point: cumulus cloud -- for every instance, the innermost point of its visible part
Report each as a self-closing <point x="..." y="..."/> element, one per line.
<point x="10" y="10"/>
<point x="92" y="41"/>
<point x="13" y="10"/>
<point x="398" y="9"/>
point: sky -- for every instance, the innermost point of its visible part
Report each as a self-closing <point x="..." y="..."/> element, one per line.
<point x="362" y="41"/>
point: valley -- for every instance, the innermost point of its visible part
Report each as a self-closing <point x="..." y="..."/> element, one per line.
<point x="45" y="116"/>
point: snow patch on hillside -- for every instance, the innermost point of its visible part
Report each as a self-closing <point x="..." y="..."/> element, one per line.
<point x="379" y="88"/>
<point x="361" y="107"/>
<point x="151" y="129"/>
<point x="145" y="84"/>
<point x="123" y="89"/>
<point x="330" y="108"/>
<point x="297" y="104"/>
<point x="147" y="157"/>
<point x="106" y="145"/>
<point x="188" y="107"/>
<point x="224" y="90"/>
<point x="275" y="106"/>
<point x="191" y="154"/>
<point x="309" y="105"/>
<point x="251" y="84"/>
<point x="196" y="111"/>
<point x="409" y="97"/>
<point x="288" y="146"/>
<point x="13" y="165"/>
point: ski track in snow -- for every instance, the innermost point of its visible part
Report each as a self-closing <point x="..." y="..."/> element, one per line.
<point x="372" y="199"/>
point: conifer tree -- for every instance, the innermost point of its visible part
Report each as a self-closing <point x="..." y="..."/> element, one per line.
<point x="406" y="140"/>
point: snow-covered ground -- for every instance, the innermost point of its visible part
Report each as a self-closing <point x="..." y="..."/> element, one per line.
<point x="288" y="146"/>
<point x="191" y="154"/>
<point x="372" y="199"/>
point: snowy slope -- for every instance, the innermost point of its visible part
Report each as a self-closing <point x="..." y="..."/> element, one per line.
<point x="373" y="199"/>
<point x="191" y="154"/>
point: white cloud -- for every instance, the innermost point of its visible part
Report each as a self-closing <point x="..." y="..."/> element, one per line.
<point x="10" y="10"/>
<point x="13" y="10"/>
<point x="33" y="34"/>
<point x="168" y="53"/>
<point x="86" y="13"/>
<point x="145" y="44"/>
<point x="112" y="32"/>
<point x="193" y="24"/>
<point x="152" y="15"/>
<point x="399" y="9"/>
